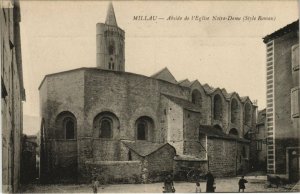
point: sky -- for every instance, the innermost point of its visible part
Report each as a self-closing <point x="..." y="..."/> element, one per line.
<point x="61" y="35"/>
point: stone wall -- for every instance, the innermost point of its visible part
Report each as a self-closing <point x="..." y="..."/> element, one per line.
<point x="114" y="171"/>
<point x="63" y="161"/>
<point x="106" y="150"/>
<point x="225" y="157"/>
<point x="132" y="95"/>
<point x="12" y="95"/>
<point x="175" y="126"/>
<point x="160" y="163"/>
<point x="191" y="145"/>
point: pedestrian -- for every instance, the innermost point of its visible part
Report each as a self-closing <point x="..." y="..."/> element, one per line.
<point x="95" y="185"/>
<point x="169" y="185"/>
<point x="242" y="182"/>
<point x="198" y="188"/>
<point x="210" y="183"/>
<point x="145" y="173"/>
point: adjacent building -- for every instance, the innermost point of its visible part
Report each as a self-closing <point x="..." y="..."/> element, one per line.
<point x="29" y="171"/>
<point x="260" y="143"/>
<point x="282" y="112"/>
<point x="12" y="94"/>
<point x="123" y="127"/>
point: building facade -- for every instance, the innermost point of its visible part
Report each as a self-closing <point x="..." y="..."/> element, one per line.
<point x="259" y="143"/>
<point x="106" y="118"/>
<point x="282" y="110"/>
<point x="12" y="95"/>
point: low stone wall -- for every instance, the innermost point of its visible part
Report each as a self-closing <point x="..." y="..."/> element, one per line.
<point x="226" y="157"/>
<point x="182" y="167"/>
<point x="115" y="171"/>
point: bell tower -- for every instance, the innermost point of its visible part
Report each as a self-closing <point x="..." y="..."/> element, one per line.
<point x="110" y="43"/>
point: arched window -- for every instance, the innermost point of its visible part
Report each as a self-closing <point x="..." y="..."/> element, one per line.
<point x="141" y="131"/>
<point x="105" y="128"/>
<point x="111" y="49"/>
<point x="247" y="114"/>
<point x="234" y="131"/>
<point x="234" y="111"/>
<point x="65" y="126"/>
<point x="69" y="128"/>
<point x="218" y="107"/>
<point x="105" y="125"/>
<point x="196" y="97"/>
<point x="144" y="127"/>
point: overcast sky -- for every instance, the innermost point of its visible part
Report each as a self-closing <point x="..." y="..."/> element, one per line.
<point x="61" y="35"/>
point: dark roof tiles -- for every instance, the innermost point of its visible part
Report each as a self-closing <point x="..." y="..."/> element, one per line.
<point x="188" y="105"/>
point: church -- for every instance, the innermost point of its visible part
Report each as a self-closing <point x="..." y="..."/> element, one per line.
<point x="123" y="127"/>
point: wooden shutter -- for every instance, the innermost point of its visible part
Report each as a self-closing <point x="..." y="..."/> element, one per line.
<point x="295" y="57"/>
<point x="295" y="102"/>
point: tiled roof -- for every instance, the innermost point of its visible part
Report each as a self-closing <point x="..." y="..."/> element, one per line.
<point x="212" y="131"/>
<point x="187" y="158"/>
<point x="183" y="103"/>
<point x="165" y="75"/>
<point x="144" y="148"/>
<point x="226" y="94"/>
<point x="208" y="89"/>
<point x="288" y="28"/>
<point x="185" y="83"/>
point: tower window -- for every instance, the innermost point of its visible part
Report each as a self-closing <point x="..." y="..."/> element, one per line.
<point x="109" y="65"/>
<point x="111" y="50"/>
<point x="113" y="65"/>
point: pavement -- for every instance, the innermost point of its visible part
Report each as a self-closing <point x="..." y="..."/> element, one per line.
<point x="296" y="188"/>
<point x="222" y="185"/>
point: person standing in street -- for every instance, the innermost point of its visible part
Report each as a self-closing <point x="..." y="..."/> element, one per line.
<point x="242" y="182"/>
<point x="198" y="188"/>
<point x="169" y="185"/>
<point x="210" y="182"/>
<point x="95" y="185"/>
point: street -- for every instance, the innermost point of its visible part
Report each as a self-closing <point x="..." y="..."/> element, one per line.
<point x="255" y="184"/>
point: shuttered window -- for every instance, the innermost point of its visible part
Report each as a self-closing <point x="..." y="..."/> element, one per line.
<point x="295" y="102"/>
<point x="295" y="57"/>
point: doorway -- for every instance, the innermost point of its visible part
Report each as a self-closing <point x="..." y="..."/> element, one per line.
<point x="294" y="165"/>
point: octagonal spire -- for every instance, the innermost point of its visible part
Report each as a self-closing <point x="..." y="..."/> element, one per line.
<point x="110" y="17"/>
